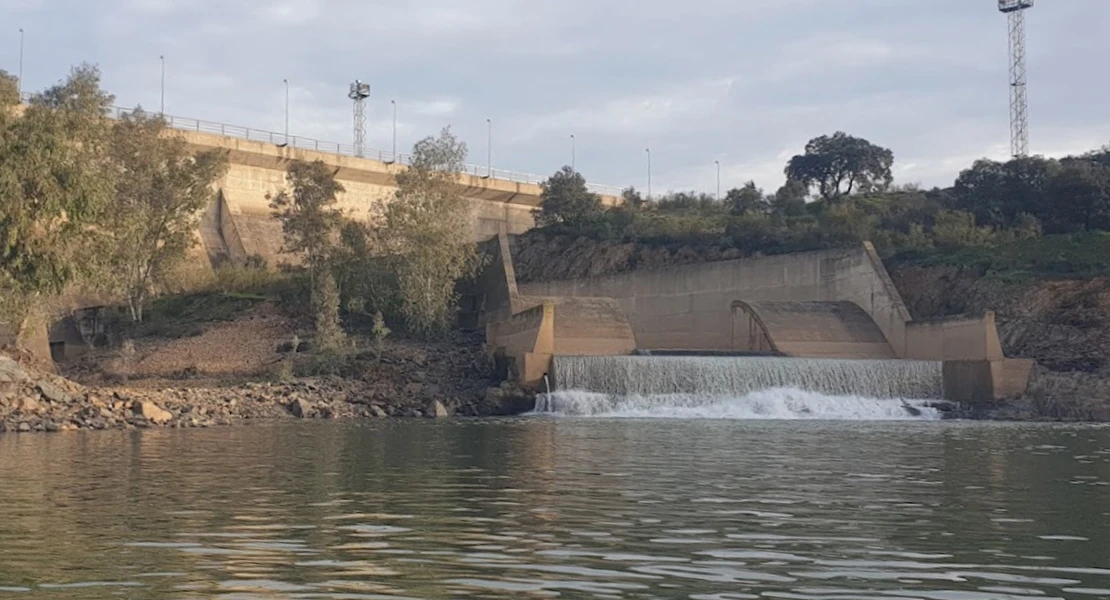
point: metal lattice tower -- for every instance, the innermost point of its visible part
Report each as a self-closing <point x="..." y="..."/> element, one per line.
<point x="1019" y="101"/>
<point x="359" y="93"/>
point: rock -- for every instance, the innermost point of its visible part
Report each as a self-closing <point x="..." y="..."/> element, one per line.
<point x="439" y="411"/>
<point x="23" y="427"/>
<point x="27" y="405"/>
<point x="495" y="395"/>
<point x="11" y="372"/>
<point x="51" y="427"/>
<point x="378" y="411"/>
<point x="151" y="412"/>
<point x="414" y="389"/>
<point x="507" y="400"/>
<point x="300" y="408"/>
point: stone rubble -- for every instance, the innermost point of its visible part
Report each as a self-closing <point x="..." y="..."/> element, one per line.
<point x="31" y="401"/>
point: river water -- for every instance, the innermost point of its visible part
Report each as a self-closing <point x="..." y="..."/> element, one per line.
<point x="570" y="508"/>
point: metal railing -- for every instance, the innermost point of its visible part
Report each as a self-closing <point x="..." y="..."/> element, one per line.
<point x="305" y="143"/>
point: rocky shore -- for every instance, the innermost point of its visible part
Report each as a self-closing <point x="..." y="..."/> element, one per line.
<point x="32" y="401"/>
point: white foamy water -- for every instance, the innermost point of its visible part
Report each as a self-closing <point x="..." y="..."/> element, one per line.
<point x="770" y="404"/>
<point x="738" y="377"/>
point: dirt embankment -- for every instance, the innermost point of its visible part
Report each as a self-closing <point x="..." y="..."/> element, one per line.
<point x="540" y="256"/>
<point x="1062" y="323"/>
<point x="222" y="372"/>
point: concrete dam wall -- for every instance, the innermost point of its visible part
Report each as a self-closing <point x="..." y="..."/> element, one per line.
<point x="239" y="223"/>
<point x="838" y="309"/>
<point x="690" y="308"/>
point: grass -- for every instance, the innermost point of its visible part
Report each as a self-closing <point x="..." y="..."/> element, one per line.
<point x="1073" y="256"/>
<point x="184" y="315"/>
<point x="220" y="296"/>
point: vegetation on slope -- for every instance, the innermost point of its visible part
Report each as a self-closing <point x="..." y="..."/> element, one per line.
<point x="1032" y="215"/>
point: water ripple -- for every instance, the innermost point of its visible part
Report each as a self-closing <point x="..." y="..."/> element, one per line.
<point x="560" y="509"/>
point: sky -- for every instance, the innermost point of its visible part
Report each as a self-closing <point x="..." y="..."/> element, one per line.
<point x="743" y="82"/>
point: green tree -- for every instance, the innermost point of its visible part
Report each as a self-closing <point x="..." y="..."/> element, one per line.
<point x="308" y="214"/>
<point x="311" y="223"/>
<point x="160" y="190"/>
<point x="632" y="198"/>
<point x="565" y="199"/>
<point x="9" y="90"/>
<point x="841" y="164"/>
<point x="746" y="199"/>
<point x="998" y="192"/>
<point x="56" y="179"/>
<point x="1078" y="197"/>
<point x="426" y="232"/>
<point x="330" y="336"/>
<point x="790" y="199"/>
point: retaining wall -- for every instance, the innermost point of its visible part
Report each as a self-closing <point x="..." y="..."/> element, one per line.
<point x="689" y="307"/>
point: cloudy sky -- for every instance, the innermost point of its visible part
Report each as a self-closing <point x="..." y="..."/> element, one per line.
<point x="746" y="82"/>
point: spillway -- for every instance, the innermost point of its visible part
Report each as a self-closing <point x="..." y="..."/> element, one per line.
<point x="743" y="388"/>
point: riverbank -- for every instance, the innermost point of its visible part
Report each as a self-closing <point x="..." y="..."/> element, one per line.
<point x="444" y="379"/>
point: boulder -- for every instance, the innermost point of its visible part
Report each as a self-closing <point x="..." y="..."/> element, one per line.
<point x="300" y="408"/>
<point x="439" y="411"/>
<point x="378" y="411"/>
<point x="27" y="405"/>
<point x="152" y="412"/>
<point x="10" y="371"/>
<point x="52" y="392"/>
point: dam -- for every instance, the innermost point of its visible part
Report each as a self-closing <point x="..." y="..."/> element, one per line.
<point x="238" y="226"/>
<point x="805" y="335"/>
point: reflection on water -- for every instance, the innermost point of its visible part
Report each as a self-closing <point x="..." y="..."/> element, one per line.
<point x="574" y="509"/>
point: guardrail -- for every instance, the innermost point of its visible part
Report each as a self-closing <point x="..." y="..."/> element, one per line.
<point x="305" y="143"/>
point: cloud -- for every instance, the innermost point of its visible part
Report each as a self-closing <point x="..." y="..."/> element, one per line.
<point x="743" y="82"/>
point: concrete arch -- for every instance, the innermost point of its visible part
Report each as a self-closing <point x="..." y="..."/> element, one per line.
<point x="808" y="329"/>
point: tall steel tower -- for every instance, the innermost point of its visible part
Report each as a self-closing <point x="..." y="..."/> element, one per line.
<point x="1019" y="102"/>
<point x="359" y="93"/>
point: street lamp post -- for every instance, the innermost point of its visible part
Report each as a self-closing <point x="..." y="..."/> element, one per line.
<point x="649" y="173"/>
<point x="573" y="153"/>
<point x="718" y="163"/>
<point x="489" y="148"/>
<point x="20" y="85"/>
<point x="286" y="110"/>
<point x="394" y="103"/>
<point x="162" y="58"/>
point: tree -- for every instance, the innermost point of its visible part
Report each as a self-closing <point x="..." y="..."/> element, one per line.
<point x="790" y="199"/>
<point x="841" y="164"/>
<point x="308" y="215"/>
<point x="160" y="190"/>
<point x="997" y="193"/>
<point x="1078" y="197"/>
<point x="311" y="222"/>
<point x="56" y="179"/>
<point x="9" y="90"/>
<point x="565" y="199"/>
<point x="632" y="198"/>
<point x="746" y="199"/>
<point x="426" y="233"/>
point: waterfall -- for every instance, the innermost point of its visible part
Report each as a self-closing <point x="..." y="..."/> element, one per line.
<point x="743" y="388"/>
